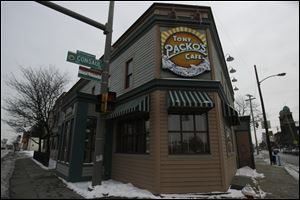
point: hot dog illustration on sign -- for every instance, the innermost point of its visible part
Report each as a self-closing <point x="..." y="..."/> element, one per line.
<point x="184" y="51"/>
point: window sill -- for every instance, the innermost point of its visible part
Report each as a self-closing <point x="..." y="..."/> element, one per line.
<point x="139" y="156"/>
<point x="189" y="156"/>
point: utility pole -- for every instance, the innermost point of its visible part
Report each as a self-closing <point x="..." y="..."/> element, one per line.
<point x="264" y="115"/>
<point x="253" y="122"/>
<point x="107" y="30"/>
<point x="98" y="168"/>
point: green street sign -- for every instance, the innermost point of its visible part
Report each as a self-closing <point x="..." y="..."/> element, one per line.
<point x="85" y="59"/>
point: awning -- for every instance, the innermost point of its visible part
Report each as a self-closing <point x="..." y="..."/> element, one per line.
<point x="189" y="99"/>
<point x="138" y="105"/>
<point x="231" y="115"/>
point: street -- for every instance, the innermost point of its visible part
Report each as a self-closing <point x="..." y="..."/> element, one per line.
<point x="289" y="159"/>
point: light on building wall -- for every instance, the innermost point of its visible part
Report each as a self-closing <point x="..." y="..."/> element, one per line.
<point x="232" y="70"/>
<point x="235" y="88"/>
<point x="234" y="80"/>
<point x="229" y="58"/>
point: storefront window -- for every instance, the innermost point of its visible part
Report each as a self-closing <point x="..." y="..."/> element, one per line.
<point x="89" y="141"/>
<point x="133" y="136"/>
<point x="67" y="133"/>
<point x="188" y="134"/>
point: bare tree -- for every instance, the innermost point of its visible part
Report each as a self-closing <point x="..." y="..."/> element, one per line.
<point x="35" y="96"/>
<point x="243" y="107"/>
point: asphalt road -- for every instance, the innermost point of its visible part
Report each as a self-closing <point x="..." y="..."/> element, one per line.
<point x="290" y="159"/>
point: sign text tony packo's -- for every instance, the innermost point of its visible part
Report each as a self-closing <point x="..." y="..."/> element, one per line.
<point x="186" y="46"/>
<point x="184" y="52"/>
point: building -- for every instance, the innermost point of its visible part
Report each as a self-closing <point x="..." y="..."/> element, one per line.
<point x="245" y="150"/>
<point x="288" y="137"/>
<point x="172" y="128"/>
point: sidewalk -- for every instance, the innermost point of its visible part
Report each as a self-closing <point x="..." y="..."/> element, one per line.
<point x="30" y="181"/>
<point x="278" y="184"/>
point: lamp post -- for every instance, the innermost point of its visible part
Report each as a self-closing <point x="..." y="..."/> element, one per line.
<point x="263" y="110"/>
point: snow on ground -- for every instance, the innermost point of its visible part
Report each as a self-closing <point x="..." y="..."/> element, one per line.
<point x="113" y="188"/>
<point x="4" y="152"/>
<point x="247" y="171"/>
<point x="109" y="188"/>
<point x="292" y="170"/>
<point x="7" y="168"/>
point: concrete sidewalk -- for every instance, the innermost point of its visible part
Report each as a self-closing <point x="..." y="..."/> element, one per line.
<point x="278" y="184"/>
<point x="30" y="181"/>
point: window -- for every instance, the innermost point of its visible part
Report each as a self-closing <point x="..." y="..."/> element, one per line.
<point x="133" y="136"/>
<point x="188" y="134"/>
<point x="228" y="140"/>
<point x="128" y="71"/>
<point x="89" y="141"/>
<point x="65" y="149"/>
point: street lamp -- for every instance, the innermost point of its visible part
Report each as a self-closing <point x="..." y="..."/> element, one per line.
<point x="263" y="109"/>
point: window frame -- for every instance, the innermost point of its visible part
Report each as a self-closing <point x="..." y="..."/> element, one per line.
<point x="128" y="77"/>
<point x="137" y="139"/>
<point x="194" y="131"/>
<point x="91" y="143"/>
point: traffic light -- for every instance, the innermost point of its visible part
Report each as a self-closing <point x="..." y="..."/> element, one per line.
<point x="111" y="101"/>
<point x="106" y="102"/>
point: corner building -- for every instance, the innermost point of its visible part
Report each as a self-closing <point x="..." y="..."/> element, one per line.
<point x="172" y="128"/>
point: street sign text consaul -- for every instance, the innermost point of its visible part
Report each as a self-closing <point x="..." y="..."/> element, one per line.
<point x="84" y="59"/>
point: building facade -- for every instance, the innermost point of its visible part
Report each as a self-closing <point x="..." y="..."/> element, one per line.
<point x="172" y="128"/>
<point x="288" y="137"/>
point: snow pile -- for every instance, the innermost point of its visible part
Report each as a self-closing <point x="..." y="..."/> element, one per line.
<point x="292" y="170"/>
<point x="113" y="188"/>
<point x="247" y="171"/>
<point x="230" y="194"/>
<point x="109" y="188"/>
<point x="4" y="153"/>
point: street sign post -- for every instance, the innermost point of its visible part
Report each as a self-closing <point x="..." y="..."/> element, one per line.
<point x="89" y="74"/>
<point x="85" y="59"/>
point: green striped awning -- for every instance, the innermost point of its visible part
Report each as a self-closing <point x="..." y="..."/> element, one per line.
<point x="230" y="114"/>
<point x="189" y="99"/>
<point x="140" y="104"/>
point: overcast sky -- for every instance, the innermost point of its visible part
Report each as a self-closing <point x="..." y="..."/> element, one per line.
<point x="265" y="34"/>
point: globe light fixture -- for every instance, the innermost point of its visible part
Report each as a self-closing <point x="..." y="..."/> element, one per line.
<point x="232" y="70"/>
<point x="229" y="58"/>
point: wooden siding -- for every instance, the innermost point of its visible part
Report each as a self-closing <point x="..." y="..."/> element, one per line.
<point x="229" y="168"/>
<point x="160" y="172"/>
<point x="193" y="173"/>
<point x="63" y="169"/>
<point x="87" y="171"/>
<point x="88" y="87"/>
<point x="135" y="169"/>
<point x="218" y="71"/>
<point x="142" y="54"/>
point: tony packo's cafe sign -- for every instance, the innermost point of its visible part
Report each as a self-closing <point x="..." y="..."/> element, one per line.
<point x="184" y="51"/>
